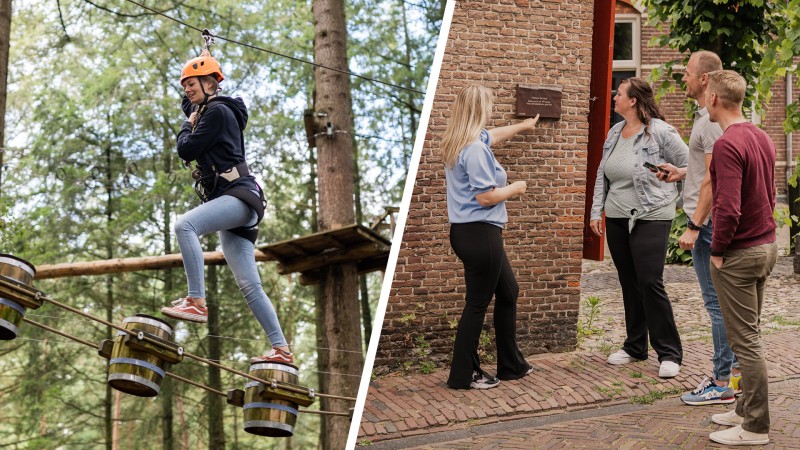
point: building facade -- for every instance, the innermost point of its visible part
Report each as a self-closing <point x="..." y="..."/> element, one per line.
<point x="502" y="44"/>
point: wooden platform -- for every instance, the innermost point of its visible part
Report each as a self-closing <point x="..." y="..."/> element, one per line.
<point x="308" y="254"/>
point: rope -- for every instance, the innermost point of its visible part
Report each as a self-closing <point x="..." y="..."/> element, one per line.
<point x="195" y="357"/>
<point x="172" y="375"/>
<point x="233" y="41"/>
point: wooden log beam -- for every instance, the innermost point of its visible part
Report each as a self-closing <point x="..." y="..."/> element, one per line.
<point x="120" y="265"/>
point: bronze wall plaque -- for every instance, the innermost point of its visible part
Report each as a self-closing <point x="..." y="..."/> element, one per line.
<point x="542" y="100"/>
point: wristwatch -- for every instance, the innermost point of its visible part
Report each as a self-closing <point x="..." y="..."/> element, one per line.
<point x="690" y="225"/>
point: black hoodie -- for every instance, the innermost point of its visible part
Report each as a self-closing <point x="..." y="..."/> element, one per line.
<point x="217" y="143"/>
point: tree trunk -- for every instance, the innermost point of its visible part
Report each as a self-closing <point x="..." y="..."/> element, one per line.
<point x="366" y="314"/>
<point x="5" y="39"/>
<point x="167" y="384"/>
<point x="216" y="427"/>
<point x="337" y="306"/>
<point x="108" y="184"/>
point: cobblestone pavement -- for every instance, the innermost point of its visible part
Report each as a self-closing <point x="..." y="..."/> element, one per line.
<point x="405" y="407"/>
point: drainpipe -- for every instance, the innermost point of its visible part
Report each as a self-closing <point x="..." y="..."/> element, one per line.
<point x="789" y="159"/>
<point x="792" y="193"/>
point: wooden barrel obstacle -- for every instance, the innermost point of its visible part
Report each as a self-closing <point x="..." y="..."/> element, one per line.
<point x="271" y="409"/>
<point x="16" y="294"/>
<point x="138" y="355"/>
<point x="137" y="359"/>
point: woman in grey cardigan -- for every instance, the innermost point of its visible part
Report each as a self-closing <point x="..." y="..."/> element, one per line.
<point x="639" y="210"/>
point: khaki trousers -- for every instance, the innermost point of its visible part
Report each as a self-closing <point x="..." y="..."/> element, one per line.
<point x="740" y="289"/>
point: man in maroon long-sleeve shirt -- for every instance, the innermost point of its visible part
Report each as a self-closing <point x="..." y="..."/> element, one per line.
<point x="743" y="249"/>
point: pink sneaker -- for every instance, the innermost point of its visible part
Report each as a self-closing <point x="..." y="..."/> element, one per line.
<point x="186" y="309"/>
<point x="275" y="355"/>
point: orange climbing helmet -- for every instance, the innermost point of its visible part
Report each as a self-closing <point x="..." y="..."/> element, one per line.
<point x="205" y="64"/>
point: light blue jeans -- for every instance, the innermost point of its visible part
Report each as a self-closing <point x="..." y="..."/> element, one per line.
<point x="225" y="213"/>
<point x="724" y="358"/>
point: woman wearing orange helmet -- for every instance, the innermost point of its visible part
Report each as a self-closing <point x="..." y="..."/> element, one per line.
<point x="233" y="203"/>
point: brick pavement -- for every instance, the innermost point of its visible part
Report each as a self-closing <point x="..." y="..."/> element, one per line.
<point x="666" y="424"/>
<point x="399" y="407"/>
<point x="417" y="404"/>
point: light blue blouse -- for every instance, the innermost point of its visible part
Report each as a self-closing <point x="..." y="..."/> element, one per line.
<point x="476" y="171"/>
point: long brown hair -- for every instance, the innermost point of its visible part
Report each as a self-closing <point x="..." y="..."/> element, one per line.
<point x="470" y="113"/>
<point x="646" y="107"/>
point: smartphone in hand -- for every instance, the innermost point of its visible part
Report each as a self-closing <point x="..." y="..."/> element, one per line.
<point x="653" y="168"/>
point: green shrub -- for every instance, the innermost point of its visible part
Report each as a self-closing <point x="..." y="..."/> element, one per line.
<point x="675" y="254"/>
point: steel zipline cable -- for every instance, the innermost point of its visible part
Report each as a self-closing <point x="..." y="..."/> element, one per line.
<point x="218" y="336"/>
<point x="169" y="374"/>
<point x="272" y="52"/>
<point x="283" y="385"/>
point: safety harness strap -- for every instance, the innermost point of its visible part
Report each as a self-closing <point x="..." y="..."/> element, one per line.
<point x="257" y="203"/>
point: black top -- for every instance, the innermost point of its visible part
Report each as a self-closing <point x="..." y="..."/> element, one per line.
<point x="217" y="143"/>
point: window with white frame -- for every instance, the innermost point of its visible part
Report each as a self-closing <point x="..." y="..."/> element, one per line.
<point x="627" y="42"/>
<point x="627" y="54"/>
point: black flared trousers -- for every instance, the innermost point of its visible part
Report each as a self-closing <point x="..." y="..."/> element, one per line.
<point x="639" y="258"/>
<point x="487" y="273"/>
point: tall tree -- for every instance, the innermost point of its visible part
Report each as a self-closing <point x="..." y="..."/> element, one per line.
<point x="338" y="307"/>
<point x="5" y="39"/>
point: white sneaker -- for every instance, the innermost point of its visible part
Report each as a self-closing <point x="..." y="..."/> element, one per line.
<point x="669" y="369"/>
<point x="483" y="381"/>
<point x="739" y="436"/>
<point x="620" y="357"/>
<point x="730" y="418"/>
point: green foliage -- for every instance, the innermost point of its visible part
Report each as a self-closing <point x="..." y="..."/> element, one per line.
<point x="653" y="396"/>
<point x="760" y="39"/>
<point x="675" y="254"/>
<point x="783" y="217"/>
<point x="737" y="30"/>
<point x="486" y="348"/>
<point x="780" y="55"/>
<point x="586" y="326"/>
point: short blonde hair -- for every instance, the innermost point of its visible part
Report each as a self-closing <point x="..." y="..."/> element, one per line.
<point x="729" y="87"/>
<point x="470" y="114"/>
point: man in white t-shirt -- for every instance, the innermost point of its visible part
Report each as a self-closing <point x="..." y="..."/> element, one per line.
<point x="721" y="386"/>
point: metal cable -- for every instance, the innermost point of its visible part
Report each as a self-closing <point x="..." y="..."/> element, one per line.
<point x="61" y="333"/>
<point x="328" y="349"/>
<point x="233" y="41"/>
<point x="195" y="357"/>
<point x="175" y="376"/>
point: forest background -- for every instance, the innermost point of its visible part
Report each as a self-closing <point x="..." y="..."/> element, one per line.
<point x="90" y="172"/>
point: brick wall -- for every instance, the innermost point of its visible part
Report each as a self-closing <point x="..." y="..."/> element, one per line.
<point x="501" y="44"/>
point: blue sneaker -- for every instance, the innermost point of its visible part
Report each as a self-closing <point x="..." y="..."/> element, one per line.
<point x="708" y="393"/>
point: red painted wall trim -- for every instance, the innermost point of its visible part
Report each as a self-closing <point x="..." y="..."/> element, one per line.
<point x="599" y="107"/>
